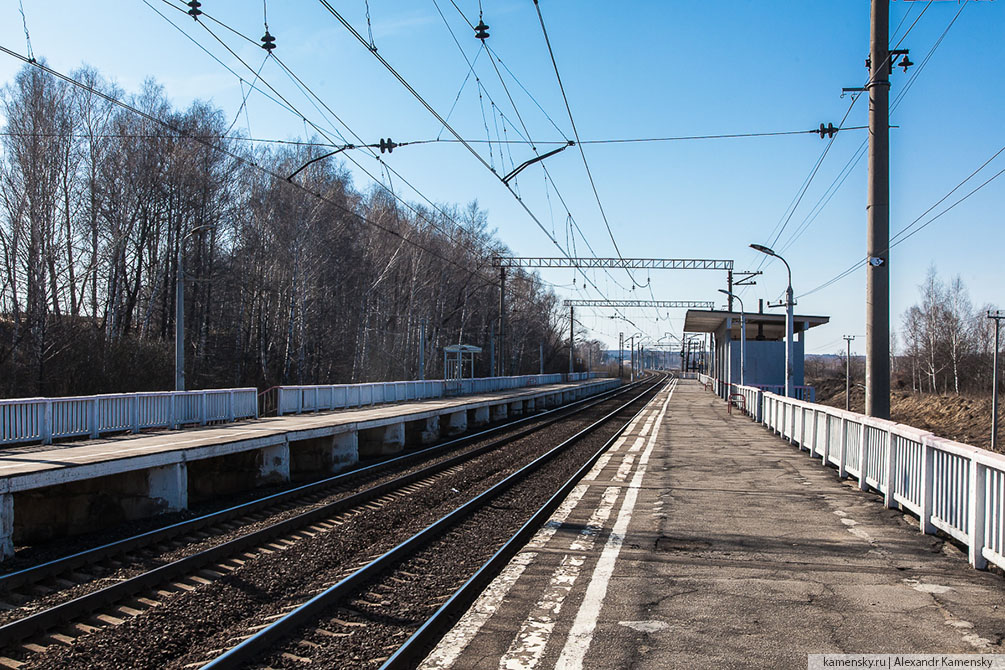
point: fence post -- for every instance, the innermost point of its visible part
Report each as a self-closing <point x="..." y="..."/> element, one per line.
<point x="95" y="425"/>
<point x="927" y="486"/>
<point x="862" y="463"/>
<point x="230" y="406"/>
<point x="300" y="400"/>
<point x="759" y="403"/>
<point x="976" y="504"/>
<point x="279" y="400"/>
<point x="173" y="412"/>
<point x="202" y="408"/>
<point x="813" y="433"/>
<point x="843" y="449"/>
<point x="825" y="458"/>
<point x="45" y="425"/>
<point x="889" y="481"/>
<point x="134" y="410"/>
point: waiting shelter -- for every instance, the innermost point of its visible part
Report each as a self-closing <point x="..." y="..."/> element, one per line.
<point x="765" y="350"/>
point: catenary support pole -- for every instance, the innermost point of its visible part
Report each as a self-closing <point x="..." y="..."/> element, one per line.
<point x="572" y="338"/>
<point x="422" y="349"/>
<point x="621" y="355"/>
<point x="540" y="358"/>
<point x="179" y="321"/>
<point x="877" y="299"/>
<point x="502" y="322"/>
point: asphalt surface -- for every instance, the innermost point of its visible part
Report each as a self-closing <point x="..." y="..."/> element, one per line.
<point x="707" y="542"/>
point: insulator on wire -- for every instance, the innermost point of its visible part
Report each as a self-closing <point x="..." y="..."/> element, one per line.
<point x="194" y="6"/>
<point x="481" y="30"/>
<point x="828" y="131"/>
<point x="387" y="145"/>
<point x="268" y="41"/>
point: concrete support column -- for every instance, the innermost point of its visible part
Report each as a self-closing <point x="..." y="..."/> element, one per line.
<point x="345" y="450"/>
<point x="529" y="406"/>
<point x="516" y="408"/>
<point x="479" y="416"/>
<point x="6" y="525"/>
<point x="457" y="423"/>
<point x="431" y="432"/>
<point x="274" y="464"/>
<point x="168" y="485"/>
<point x="498" y="413"/>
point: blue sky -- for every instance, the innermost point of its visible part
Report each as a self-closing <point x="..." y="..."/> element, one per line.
<point x="634" y="69"/>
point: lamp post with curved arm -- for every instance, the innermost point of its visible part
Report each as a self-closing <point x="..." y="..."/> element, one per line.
<point x="789" y="302"/>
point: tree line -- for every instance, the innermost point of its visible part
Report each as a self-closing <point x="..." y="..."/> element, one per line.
<point x="948" y="344"/>
<point x="287" y="281"/>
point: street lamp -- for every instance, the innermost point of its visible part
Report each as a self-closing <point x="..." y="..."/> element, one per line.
<point x="179" y="315"/>
<point x="788" y="319"/>
<point x="743" y="335"/>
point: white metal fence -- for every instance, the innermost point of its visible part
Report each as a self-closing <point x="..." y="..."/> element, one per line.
<point x="47" y="419"/>
<point x="952" y="487"/>
<point x="299" y="399"/>
<point x="26" y="420"/>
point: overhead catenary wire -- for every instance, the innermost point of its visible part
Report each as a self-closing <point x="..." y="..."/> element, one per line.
<point x="237" y="157"/>
<point x="466" y="241"/>
<point x="283" y="102"/>
<point x="575" y="132"/>
<point x="334" y="12"/>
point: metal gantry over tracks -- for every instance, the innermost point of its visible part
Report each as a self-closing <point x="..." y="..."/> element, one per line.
<point x="663" y="304"/>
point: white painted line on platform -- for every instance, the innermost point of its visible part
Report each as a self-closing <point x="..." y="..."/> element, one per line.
<point x="453" y="643"/>
<point x="581" y="633"/>
<point x="457" y="639"/>
<point x="528" y="647"/>
<point x="625" y="467"/>
<point x="450" y="647"/>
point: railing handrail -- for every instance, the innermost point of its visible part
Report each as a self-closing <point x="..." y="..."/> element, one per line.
<point x="953" y="487"/>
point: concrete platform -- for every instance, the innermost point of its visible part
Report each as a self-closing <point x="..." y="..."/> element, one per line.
<point x="56" y="490"/>
<point x="703" y="541"/>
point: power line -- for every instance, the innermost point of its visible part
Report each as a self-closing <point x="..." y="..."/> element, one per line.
<point x="906" y="232"/>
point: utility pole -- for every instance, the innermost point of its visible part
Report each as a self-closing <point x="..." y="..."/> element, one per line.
<point x="877" y="298"/>
<point x="847" y="374"/>
<point x="572" y="338"/>
<point x="997" y="316"/>
<point x="422" y="348"/>
<point x="502" y="322"/>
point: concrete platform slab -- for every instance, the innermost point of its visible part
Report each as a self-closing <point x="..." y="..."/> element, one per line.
<point x="149" y="473"/>
<point x="703" y="541"/>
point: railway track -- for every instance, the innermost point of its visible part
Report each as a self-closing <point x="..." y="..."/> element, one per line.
<point x="305" y="514"/>
<point x="419" y="573"/>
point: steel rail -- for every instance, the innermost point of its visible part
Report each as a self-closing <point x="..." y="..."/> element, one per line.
<point x="36" y="573"/>
<point x="55" y="616"/>
<point x="415" y="648"/>
<point x="262" y="640"/>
